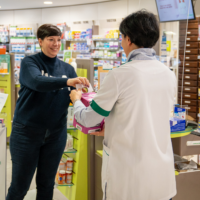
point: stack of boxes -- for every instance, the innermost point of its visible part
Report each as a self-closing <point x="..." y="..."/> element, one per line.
<point x="191" y="63"/>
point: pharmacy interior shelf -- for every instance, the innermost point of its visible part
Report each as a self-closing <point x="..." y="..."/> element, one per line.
<point x="76" y="40"/>
<point x="70" y="151"/>
<point x="104" y="48"/>
<point x="187" y="131"/>
<point x="72" y="128"/>
<point x="81" y="51"/>
<point x="106" y="39"/>
<point x="25" y="52"/>
<point x="4" y="74"/>
<point x="64" y="184"/>
<point x="104" y="57"/>
<point x="99" y="153"/>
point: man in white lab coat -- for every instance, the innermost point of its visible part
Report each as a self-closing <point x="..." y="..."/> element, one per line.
<point x="135" y="100"/>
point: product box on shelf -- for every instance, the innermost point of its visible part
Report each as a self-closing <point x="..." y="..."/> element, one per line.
<point x="178" y="122"/>
<point x="86" y="100"/>
<point x="70" y="117"/>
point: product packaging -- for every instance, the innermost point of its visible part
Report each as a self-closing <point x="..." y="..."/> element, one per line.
<point x="177" y="124"/>
<point x="70" y="117"/>
<point x="86" y="100"/>
<point x="69" y="144"/>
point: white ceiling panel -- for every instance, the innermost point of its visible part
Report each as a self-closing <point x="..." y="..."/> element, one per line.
<point x="23" y="4"/>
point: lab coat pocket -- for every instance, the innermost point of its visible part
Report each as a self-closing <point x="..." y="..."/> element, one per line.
<point x="104" y="173"/>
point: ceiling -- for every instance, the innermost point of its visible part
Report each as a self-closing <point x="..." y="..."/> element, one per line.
<point x="24" y="4"/>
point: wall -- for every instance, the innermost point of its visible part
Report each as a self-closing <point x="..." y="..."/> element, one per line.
<point x="98" y="11"/>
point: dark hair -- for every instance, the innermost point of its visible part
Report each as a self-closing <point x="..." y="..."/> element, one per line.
<point x="142" y="28"/>
<point x="47" y="30"/>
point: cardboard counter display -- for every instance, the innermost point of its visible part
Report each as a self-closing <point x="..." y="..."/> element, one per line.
<point x="188" y="185"/>
<point x="3" y="162"/>
<point x="183" y="146"/>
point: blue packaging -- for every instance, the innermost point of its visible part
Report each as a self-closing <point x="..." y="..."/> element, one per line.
<point x="179" y="113"/>
<point x="177" y="124"/>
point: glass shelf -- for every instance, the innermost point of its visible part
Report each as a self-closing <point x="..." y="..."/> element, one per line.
<point x="71" y="184"/>
<point x="4" y="73"/>
<point x="103" y="48"/>
<point x="81" y="51"/>
<point x="106" y="39"/>
<point x="99" y="153"/>
<point x="76" y="40"/>
<point x="70" y="151"/>
<point x="72" y="128"/>
<point x="114" y="58"/>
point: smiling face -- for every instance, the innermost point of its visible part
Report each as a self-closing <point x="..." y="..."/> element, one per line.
<point x="50" y="45"/>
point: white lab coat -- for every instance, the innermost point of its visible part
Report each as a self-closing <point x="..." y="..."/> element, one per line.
<point x="136" y="100"/>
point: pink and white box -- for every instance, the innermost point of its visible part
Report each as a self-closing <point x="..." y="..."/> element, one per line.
<point x="86" y="100"/>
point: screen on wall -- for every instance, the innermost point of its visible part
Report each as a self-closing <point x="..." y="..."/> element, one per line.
<point x="175" y="10"/>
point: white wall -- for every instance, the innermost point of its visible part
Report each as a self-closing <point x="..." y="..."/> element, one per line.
<point x="99" y="11"/>
<point x="6" y="17"/>
<point x="55" y="15"/>
<point x="110" y="10"/>
<point x="27" y="16"/>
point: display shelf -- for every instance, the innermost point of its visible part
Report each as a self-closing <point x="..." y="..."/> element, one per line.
<point x="81" y="51"/>
<point x="72" y="128"/>
<point x="104" y="48"/>
<point x="187" y="131"/>
<point x="70" y="151"/>
<point x="176" y="173"/>
<point x="106" y="39"/>
<point x="79" y="190"/>
<point x="103" y="57"/>
<point x="99" y="153"/>
<point x="64" y="184"/>
<point x="4" y="73"/>
<point x="25" y="52"/>
<point x="76" y="40"/>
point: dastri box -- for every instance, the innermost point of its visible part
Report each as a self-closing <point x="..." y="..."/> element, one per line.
<point x="86" y="100"/>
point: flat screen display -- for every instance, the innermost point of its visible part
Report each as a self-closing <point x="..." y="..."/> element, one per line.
<point x="175" y="10"/>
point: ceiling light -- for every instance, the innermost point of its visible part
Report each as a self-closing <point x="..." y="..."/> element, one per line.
<point x="0" y="6"/>
<point x="48" y="2"/>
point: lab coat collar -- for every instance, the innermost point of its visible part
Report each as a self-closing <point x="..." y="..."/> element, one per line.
<point x="142" y="54"/>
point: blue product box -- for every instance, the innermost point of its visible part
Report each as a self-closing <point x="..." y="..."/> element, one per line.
<point x="177" y="124"/>
<point x="179" y="113"/>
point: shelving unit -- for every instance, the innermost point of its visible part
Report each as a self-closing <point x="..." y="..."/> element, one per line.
<point x="79" y="187"/>
<point x="7" y="83"/>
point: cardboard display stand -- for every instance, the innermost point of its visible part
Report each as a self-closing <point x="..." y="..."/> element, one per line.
<point x="2" y="163"/>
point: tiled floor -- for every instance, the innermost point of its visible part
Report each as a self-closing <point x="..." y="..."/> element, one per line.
<point x="32" y="190"/>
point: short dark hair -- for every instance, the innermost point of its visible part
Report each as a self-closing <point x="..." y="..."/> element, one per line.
<point x="142" y="28"/>
<point x="47" y="30"/>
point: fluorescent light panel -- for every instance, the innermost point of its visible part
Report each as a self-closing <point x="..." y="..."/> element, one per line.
<point x="48" y="2"/>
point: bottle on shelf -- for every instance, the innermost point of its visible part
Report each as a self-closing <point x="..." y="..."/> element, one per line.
<point x="74" y="64"/>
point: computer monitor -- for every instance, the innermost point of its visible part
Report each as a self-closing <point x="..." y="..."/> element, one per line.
<point x="175" y="10"/>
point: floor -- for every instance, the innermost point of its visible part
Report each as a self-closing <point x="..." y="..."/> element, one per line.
<point x="31" y="195"/>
